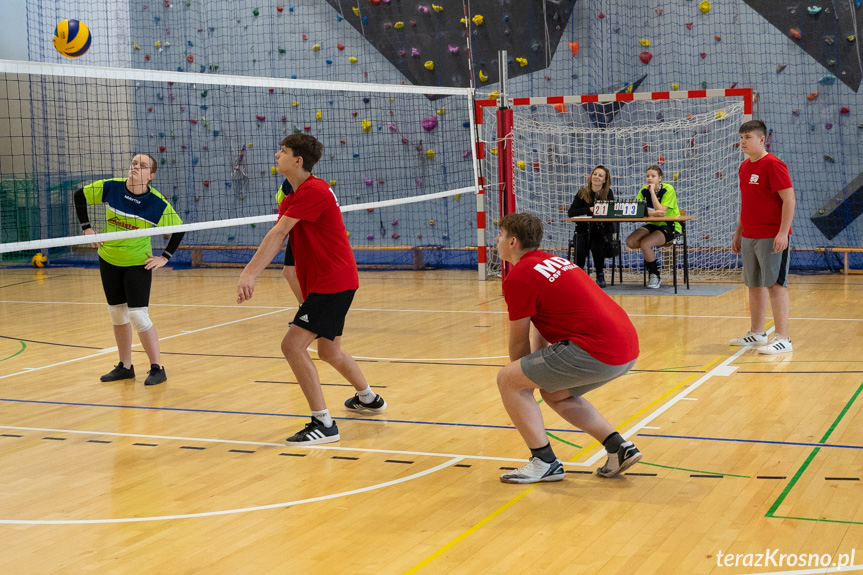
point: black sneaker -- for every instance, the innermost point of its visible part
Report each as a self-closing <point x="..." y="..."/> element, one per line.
<point x="156" y="375"/>
<point x="119" y="372"/>
<point x="314" y="433"/>
<point x="625" y="457"/>
<point x="356" y="404"/>
<point x="600" y="280"/>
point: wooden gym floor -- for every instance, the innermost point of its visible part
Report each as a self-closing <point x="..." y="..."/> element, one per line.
<point x="743" y="454"/>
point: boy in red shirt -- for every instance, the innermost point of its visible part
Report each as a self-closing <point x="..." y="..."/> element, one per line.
<point x="766" y="211"/>
<point x="327" y="274"/>
<point x="585" y="340"/>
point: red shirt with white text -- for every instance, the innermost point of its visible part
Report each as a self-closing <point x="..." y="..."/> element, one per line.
<point x="760" y="205"/>
<point x="565" y="304"/>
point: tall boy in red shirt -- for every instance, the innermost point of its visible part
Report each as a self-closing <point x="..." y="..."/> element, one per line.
<point x="327" y="274"/>
<point x="766" y="211"/>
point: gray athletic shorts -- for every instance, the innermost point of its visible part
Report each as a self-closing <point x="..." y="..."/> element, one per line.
<point x="564" y="365"/>
<point x="762" y="267"/>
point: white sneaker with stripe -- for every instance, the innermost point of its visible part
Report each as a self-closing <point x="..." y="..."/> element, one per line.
<point x="314" y="433"/>
<point x="778" y="344"/>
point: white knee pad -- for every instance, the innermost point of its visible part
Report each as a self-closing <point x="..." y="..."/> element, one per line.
<point x="140" y="319"/>
<point x="119" y="314"/>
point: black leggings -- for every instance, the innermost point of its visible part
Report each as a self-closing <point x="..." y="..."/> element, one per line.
<point x="129" y="285"/>
<point x="597" y="249"/>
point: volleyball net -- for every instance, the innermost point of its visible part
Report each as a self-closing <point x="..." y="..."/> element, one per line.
<point x="399" y="159"/>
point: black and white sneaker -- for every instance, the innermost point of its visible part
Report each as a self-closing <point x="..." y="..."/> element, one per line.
<point x="314" y="433"/>
<point x="119" y="372"/>
<point x="535" y="471"/>
<point x="625" y="457"/>
<point x="356" y="404"/>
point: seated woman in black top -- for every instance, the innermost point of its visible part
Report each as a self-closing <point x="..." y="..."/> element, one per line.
<point x="598" y="188"/>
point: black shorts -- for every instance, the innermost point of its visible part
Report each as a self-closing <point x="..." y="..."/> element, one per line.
<point x="126" y="285"/>
<point x="667" y="230"/>
<point x="324" y="313"/>
<point x="289" y="255"/>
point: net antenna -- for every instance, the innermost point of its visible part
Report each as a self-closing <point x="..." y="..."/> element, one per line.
<point x="557" y="141"/>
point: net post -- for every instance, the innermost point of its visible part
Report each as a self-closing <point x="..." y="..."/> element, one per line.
<point x="505" y="156"/>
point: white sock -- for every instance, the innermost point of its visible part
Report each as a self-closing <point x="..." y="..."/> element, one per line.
<point x="323" y="417"/>
<point x="367" y="395"/>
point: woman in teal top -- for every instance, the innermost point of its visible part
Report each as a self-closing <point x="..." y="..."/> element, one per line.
<point x="127" y="265"/>
<point x="661" y="200"/>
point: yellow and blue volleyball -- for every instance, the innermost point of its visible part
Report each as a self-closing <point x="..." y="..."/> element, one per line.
<point x="72" y="38"/>
<point x="39" y="260"/>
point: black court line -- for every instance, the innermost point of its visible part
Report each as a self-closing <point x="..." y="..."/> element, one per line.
<point x="461" y="465"/>
<point x="398" y="461"/>
<point x="706" y="476"/>
<point x="192" y="447"/>
<point x="10" y="435"/>
<point x="55" y="438"/>
<point x="344" y="457"/>
<point x="770" y="477"/>
<point x="297" y="383"/>
<point x="293" y="454"/>
<point x="642" y="474"/>
<point x="842" y="478"/>
<point x="97" y="441"/>
<point x="146" y="444"/>
<point x="578" y="472"/>
<point x="43" y="279"/>
<point x="240" y="451"/>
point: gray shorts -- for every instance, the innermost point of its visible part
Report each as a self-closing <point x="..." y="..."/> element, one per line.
<point x="762" y="267"/>
<point x="564" y="365"/>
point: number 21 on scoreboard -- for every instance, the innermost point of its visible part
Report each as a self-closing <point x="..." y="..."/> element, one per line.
<point x="600" y="209"/>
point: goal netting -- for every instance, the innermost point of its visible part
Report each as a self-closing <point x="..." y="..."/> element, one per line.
<point x="214" y="137"/>
<point x="558" y="141"/>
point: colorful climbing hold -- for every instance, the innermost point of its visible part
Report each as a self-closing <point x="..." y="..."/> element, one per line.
<point x="452" y="49"/>
<point x="675" y="86"/>
<point x="795" y="33"/>
<point x="430" y="154"/>
<point x="573" y="47"/>
<point x="429" y="65"/>
<point x="781" y="67"/>
<point x="260" y="117"/>
<point x="689" y="25"/>
<point x="256" y="12"/>
<point x="316" y="48"/>
<point x="483" y="76"/>
<point x="844" y="110"/>
<point x="813" y="10"/>
<point x="366" y="125"/>
<point x="352" y="59"/>
<point x="429" y="124"/>
<point x="477" y="20"/>
<point x="827" y="80"/>
<point x="644" y="42"/>
<point x="521" y="165"/>
<point x="704" y="7"/>
<point x="437" y="8"/>
<point x="340" y="47"/>
<point x="190" y="58"/>
<point x="521" y="62"/>
<point x="561" y="108"/>
<point x="645" y="57"/>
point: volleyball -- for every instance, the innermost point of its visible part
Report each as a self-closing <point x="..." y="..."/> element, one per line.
<point x="72" y="38"/>
<point x="39" y="260"/>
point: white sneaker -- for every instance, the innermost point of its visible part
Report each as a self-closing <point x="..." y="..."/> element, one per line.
<point x="778" y="344"/>
<point x="535" y="471"/>
<point x="654" y="281"/>
<point x="750" y="338"/>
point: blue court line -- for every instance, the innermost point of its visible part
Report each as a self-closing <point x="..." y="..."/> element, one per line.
<point x="302" y="416"/>
<point x="764" y="441"/>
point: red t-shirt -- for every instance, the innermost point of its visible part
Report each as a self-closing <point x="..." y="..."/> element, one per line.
<point x="565" y="304"/>
<point x="760" y="205"/>
<point x="324" y="259"/>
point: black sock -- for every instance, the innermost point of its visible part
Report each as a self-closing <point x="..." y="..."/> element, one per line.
<point x="652" y="267"/>
<point x="613" y="442"/>
<point x="545" y="453"/>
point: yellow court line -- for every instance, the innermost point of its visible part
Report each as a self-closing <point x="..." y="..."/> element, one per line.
<point x="623" y="424"/>
<point x="464" y="535"/>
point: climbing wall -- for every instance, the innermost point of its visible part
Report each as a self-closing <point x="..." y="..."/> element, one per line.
<point x="802" y="60"/>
